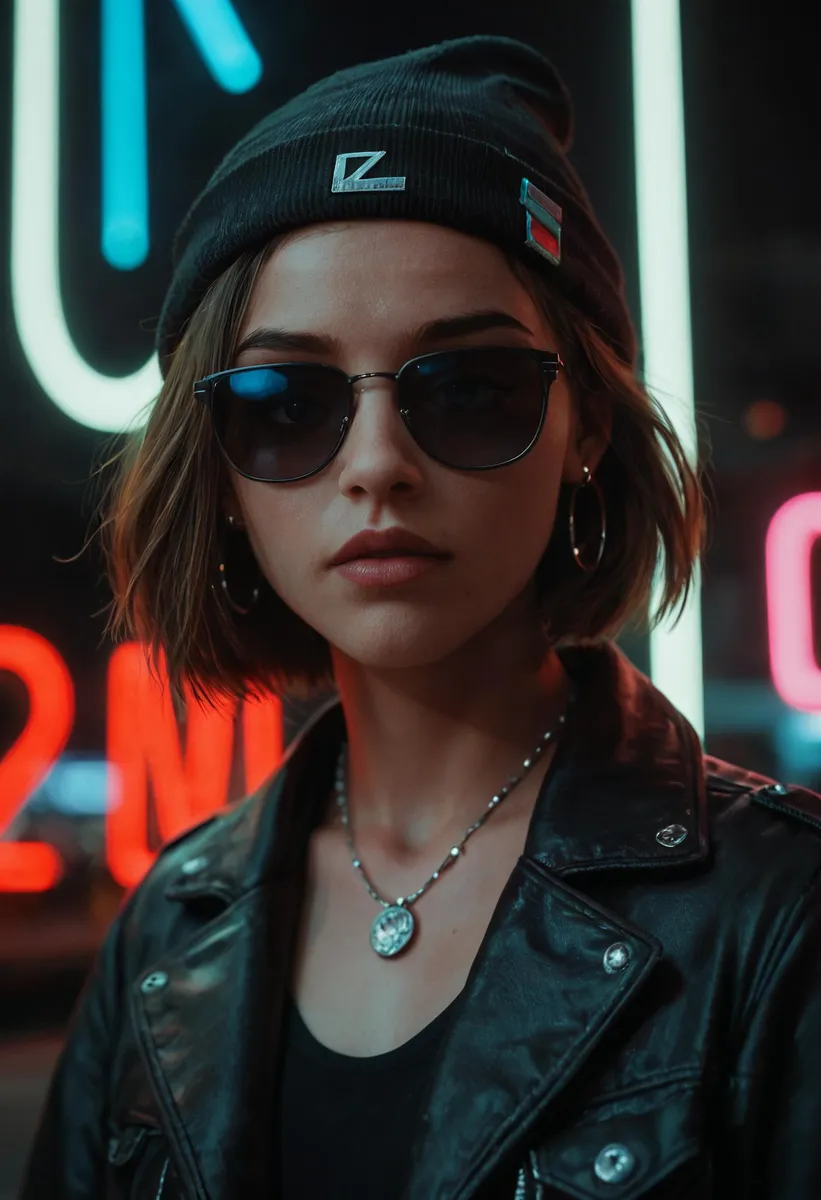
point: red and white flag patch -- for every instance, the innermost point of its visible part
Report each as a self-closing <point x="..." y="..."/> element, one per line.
<point x="543" y="228"/>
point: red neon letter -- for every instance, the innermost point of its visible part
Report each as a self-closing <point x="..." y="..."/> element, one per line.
<point x="790" y="538"/>
<point x="32" y="866"/>
<point x="143" y="742"/>
<point x="189" y="785"/>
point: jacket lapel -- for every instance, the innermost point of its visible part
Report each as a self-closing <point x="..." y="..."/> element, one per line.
<point x="208" y="1038"/>
<point x="209" y="1025"/>
<point x="554" y="971"/>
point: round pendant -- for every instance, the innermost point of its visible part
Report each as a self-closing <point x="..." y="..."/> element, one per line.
<point x="392" y="930"/>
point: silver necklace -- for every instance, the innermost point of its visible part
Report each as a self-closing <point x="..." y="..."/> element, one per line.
<point x="394" y="927"/>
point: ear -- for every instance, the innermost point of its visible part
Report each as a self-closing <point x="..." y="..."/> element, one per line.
<point x="589" y="437"/>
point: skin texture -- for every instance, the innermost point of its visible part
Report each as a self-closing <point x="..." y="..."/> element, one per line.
<point x="444" y="680"/>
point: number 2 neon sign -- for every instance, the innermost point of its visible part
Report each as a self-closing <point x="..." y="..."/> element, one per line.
<point x="143" y="744"/>
<point x="32" y="866"/>
<point x="84" y="394"/>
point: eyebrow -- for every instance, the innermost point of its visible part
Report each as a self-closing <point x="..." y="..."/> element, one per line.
<point x="272" y="338"/>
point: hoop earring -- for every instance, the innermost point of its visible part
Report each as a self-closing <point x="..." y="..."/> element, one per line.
<point x="241" y="609"/>
<point x="588" y="481"/>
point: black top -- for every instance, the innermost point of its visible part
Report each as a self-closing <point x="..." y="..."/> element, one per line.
<point x="345" y="1126"/>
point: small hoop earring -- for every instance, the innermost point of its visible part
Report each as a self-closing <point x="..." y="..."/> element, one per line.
<point x="587" y="481"/>
<point x="241" y="609"/>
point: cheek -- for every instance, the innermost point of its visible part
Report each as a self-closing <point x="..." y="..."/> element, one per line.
<point x="523" y="514"/>
<point x="510" y="527"/>
<point x="282" y="524"/>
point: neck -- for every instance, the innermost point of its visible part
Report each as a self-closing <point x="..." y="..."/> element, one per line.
<point x="429" y="746"/>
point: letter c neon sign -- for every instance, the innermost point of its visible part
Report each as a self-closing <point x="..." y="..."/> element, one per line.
<point x="791" y="536"/>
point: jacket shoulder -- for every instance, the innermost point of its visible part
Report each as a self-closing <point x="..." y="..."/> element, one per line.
<point x="763" y="833"/>
<point x="215" y="863"/>
<point x="792" y="801"/>
<point x="188" y="873"/>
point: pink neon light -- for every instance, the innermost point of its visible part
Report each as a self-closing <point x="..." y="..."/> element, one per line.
<point x="790" y="538"/>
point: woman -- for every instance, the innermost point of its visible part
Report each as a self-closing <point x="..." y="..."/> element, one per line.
<point x="401" y="447"/>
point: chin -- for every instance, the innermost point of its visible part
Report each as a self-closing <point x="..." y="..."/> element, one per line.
<point x="396" y="641"/>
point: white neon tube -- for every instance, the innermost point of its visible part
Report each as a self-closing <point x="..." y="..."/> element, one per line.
<point x="658" y="110"/>
<point x="99" y="401"/>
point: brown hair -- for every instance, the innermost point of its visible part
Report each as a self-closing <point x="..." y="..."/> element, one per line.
<point x="653" y="498"/>
<point x="163" y="533"/>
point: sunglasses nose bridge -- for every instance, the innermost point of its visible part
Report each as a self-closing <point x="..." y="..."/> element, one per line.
<point x="356" y="392"/>
<point x="394" y="375"/>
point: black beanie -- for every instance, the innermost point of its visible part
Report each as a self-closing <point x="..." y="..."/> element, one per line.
<point x="471" y="134"/>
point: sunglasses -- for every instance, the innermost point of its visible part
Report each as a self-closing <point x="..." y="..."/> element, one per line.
<point x="472" y="409"/>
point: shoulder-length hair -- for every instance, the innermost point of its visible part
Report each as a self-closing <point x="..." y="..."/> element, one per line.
<point x="164" y="534"/>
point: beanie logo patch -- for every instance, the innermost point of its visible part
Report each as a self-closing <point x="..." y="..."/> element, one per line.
<point x="359" y="180"/>
<point x="543" y="223"/>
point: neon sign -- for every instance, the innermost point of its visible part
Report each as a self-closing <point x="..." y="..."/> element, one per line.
<point x="86" y="395"/>
<point x="233" y="64"/>
<point x="143" y="745"/>
<point x="32" y="866"/>
<point x="793" y="532"/>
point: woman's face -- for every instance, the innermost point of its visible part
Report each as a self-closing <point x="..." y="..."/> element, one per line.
<point x="368" y="289"/>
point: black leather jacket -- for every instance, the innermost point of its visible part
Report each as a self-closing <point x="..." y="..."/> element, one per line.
<point x="643" y="1018"/>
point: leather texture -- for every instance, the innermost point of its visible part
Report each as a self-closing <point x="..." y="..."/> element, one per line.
<point x="643" y="1018"/>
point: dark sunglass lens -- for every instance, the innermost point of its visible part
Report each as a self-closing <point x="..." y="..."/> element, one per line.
<point x="280" y="423"/>
<point x="474" y="408"/>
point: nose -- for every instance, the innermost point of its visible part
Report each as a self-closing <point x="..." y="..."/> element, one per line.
<point x="379" y="457"/>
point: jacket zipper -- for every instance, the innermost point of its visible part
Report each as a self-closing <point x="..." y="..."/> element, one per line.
<point x="527" y="1172"/>
<point x="161" y="1185"/>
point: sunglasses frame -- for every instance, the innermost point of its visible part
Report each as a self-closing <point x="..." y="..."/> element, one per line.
<point x="549" y="361"/>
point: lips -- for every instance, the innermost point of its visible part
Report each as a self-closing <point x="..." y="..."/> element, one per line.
<point x="386" y="543"/>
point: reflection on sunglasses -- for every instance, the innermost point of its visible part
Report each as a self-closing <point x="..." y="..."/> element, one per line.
<point x="473" y="409"/>
<point x="258" y="382"/>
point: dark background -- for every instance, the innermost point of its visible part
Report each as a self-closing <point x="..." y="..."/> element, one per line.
<point x="752" y="123"/>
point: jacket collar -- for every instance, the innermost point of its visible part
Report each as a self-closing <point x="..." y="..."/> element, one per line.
<point x="554" y="971"/>
<point x="626" y="790"/>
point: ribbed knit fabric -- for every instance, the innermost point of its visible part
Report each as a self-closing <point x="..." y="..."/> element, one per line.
<point x="462" y="123"/>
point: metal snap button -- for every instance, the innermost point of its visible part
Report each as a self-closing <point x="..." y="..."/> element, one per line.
<point x="194" y="865"/>
<point x="671" y="835"/>
<point x="153" y="982"/>
<point x="616" y="958"/>
<point x="614" y="1163"/>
